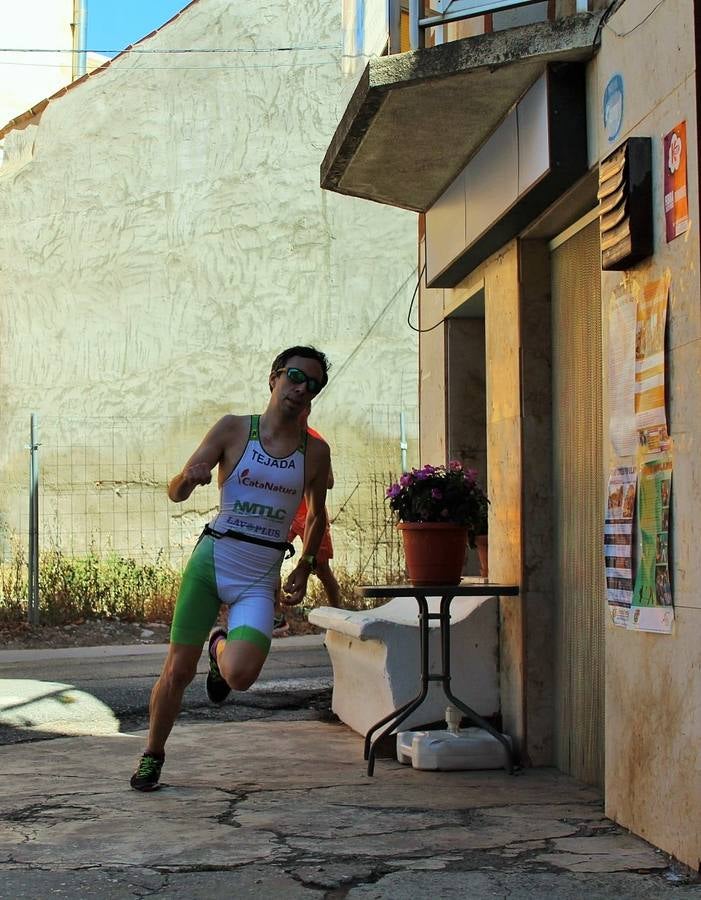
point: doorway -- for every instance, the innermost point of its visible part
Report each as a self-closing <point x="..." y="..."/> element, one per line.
<point x="466" y="394"/>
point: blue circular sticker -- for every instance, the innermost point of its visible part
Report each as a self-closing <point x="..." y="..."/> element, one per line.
<point x="613" y="107"/>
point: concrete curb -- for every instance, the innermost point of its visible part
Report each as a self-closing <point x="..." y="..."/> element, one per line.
<point x="297" y="642"/>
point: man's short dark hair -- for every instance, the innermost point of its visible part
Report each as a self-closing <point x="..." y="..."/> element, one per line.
<point x="308" y="353"/>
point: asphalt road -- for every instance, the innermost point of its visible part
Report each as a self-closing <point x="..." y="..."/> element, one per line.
<point x="38" y="688"/>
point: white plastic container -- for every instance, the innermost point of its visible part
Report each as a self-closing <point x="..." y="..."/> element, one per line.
<point x="470" y="748"/>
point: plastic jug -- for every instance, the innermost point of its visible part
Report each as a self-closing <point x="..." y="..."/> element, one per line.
<point x="451" y="749"/>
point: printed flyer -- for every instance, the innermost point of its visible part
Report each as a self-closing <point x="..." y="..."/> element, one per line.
<point x="621" y="372"/>
<point x="652" y="608"/>
<point x="618" y="542"/>
<point x="636" y="528"/>
<point x="651" y="320"/>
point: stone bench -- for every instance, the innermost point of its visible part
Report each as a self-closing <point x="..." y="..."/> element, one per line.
<point x="376" y="659"/>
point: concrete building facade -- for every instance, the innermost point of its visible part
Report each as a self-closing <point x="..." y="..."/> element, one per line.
<point x="502" y="140"/>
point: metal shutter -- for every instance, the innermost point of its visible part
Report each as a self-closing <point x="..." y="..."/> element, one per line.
<point x="578" y="513"/>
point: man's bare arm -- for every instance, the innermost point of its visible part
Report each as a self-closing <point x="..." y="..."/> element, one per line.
<point x="198" y="469"/>
<point x="315" y="495"/>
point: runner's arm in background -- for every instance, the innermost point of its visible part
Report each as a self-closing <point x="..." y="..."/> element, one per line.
<point x="315" y="495"/>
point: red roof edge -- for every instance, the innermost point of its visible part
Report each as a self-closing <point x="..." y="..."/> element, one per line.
<point x="21" y="121"/>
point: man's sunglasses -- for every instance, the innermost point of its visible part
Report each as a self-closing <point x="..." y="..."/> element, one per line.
<point x="297" y="376"/>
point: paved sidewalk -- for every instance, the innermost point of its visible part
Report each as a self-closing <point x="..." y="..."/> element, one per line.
<point x="268" y="809"/>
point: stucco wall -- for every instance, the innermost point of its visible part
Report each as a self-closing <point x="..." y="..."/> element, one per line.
<point x="653" y="682"/>
<point x="165" y="236"/>
<point x="27" y="78"/>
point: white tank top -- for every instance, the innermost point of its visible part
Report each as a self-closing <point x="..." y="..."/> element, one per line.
<point x="262" y="494"/>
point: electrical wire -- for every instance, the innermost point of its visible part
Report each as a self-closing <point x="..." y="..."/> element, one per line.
<point x="641" y="22"/>
<point x="411" y="306"/>
<point x="356" y="349"/>
<point x="175" y="51"/>
<point x="188" y="68"/>
<point x="250" y="68"/>
<point x="602" y="21"/>
<point x="342" y="507"/>
<point x="447" y="9"/>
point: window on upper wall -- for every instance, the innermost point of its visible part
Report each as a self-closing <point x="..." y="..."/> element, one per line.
<point x="466" y="28"/>
<point x="493" y="21"/>
<point x="404" y="38"/>
<point x="404" y="43"/>
<point x="497" y="20"/>
<point x="526" y="15"/>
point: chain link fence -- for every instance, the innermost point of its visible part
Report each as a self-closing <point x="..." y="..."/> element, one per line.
<point x="102" y="490"/>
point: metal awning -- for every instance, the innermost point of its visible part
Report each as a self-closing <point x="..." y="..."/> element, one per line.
<point x="416" y="119"/>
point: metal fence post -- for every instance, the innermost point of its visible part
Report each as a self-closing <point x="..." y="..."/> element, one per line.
<point x="33" y="558"/>
<point x="403" y="445"/>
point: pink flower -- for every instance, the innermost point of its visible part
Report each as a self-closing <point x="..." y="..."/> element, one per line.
<point x="406" y="480"/>
<point x="455" y="465"/>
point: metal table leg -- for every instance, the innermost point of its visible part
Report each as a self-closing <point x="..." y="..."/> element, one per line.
<point x="396" y="717"/>
<point x="470" y="713"/>
<point x="391" y="718"/>
<point x="399" y="715"/>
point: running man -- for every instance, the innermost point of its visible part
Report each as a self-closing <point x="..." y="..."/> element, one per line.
<point x="266" y="465"/>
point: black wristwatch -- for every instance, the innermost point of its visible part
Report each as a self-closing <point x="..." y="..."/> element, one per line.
<point x="311" y="559"/>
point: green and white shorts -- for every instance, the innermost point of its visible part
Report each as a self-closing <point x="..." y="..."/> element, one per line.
<point x="241" y="575"/>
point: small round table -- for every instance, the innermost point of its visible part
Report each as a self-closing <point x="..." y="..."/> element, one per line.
<point x="446" y="592"/>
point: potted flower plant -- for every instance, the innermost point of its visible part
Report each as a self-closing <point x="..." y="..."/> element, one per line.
<point x="440" y="509"/>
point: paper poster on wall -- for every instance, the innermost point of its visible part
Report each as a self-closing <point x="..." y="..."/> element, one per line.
<point x="621" y="372"/>
<point x="618" y="542"/>
<point x="651" y="320"/>
<point x="676" y="199"/>
<point x="652" y="608"/>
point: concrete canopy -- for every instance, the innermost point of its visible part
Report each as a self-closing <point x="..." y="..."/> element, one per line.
<point x="416" y="119"/>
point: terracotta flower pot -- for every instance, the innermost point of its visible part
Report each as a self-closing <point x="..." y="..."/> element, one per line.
<point x="434" y="551"/>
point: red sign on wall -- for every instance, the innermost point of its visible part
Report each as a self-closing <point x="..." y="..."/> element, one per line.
<point x="676" y="200"/>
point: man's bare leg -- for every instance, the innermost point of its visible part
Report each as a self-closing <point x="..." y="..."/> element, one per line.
<point x="239" y="663"/>
<point x="328" y="579"/>
<point x="178" y="671"/>
<point x="166" y="698"/>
